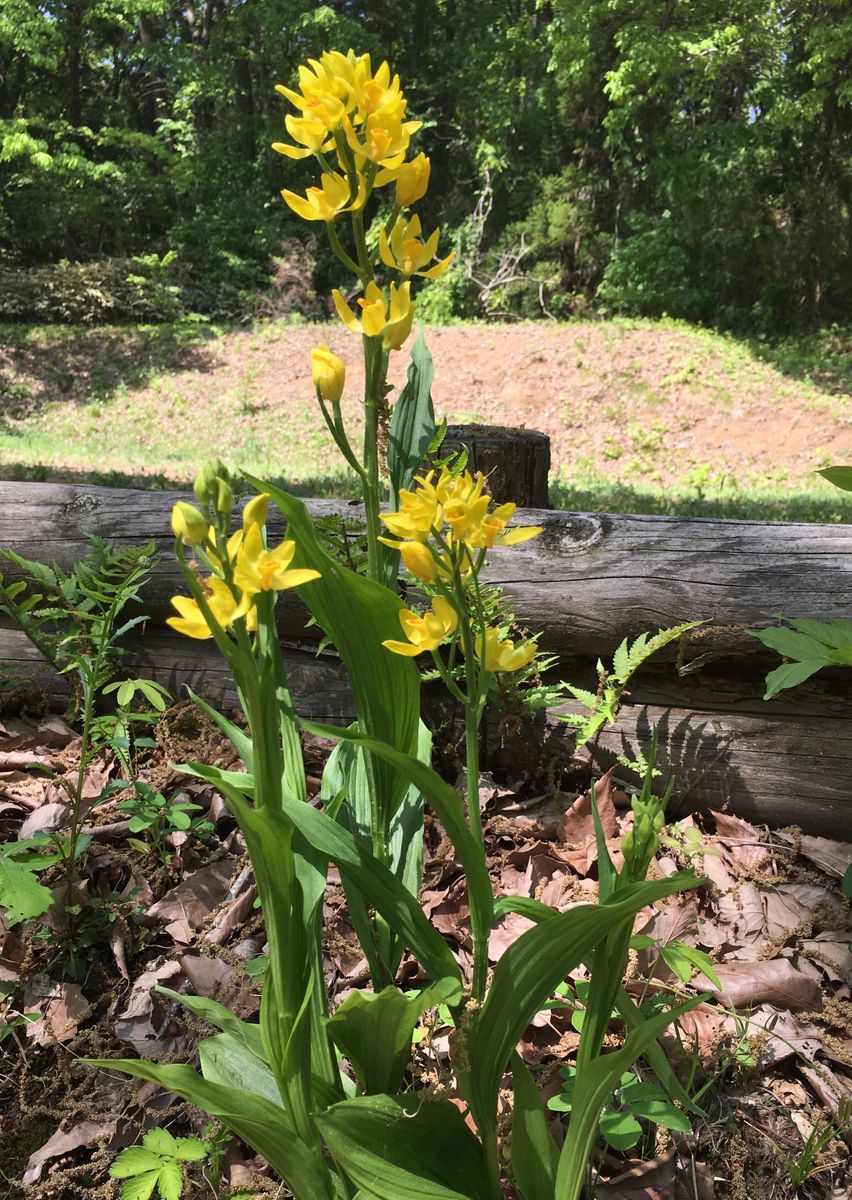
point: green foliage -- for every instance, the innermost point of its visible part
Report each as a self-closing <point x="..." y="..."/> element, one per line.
<point x="156" y="1164"/>
<point x="809" y="645"/>
<point x="21" y="894"/>
<point x="602" y="706"/>
<point x="157" y="816"/>
<point x="633" y="1101"/>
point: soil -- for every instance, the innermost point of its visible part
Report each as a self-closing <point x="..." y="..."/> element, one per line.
<point x="768" y="1055"/>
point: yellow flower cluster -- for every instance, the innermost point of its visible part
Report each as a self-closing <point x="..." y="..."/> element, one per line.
<point x="454" y="509"/>
<point x="345" y="108"/>
<point x="442" y="531"/>
<point x="246" y="569"/>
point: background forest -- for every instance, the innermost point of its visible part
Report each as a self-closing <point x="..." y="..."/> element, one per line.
<point x="642" y="158"/>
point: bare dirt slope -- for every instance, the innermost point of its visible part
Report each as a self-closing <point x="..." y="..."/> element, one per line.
<point x="653" y="404"/>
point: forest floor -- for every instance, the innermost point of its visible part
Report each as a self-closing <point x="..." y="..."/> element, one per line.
<point x="766" y="1057"/>
<point x="647" y="416"/>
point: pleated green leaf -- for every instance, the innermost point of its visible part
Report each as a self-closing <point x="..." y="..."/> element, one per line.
<point x="374" y="1030"/>
<point x="395" y="1149"/>
<point x="592" y="1088"/>
<point x="535" y="1157"/>
<point x="412" y="424"/>
<point x="358" y="614"/>
<point x="447" y="805"/>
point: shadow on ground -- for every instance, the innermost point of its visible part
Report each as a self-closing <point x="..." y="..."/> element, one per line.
<point x="41" y="363"/>
<point x="335" y="487"/>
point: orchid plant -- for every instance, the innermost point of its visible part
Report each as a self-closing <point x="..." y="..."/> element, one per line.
<point x="324" y="1094"/>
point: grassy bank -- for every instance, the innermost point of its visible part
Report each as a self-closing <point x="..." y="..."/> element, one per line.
<point x="643" y="416"/>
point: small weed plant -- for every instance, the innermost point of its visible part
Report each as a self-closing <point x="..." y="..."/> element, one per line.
<point x="77" y="620"/>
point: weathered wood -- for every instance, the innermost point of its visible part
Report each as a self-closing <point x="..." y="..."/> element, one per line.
<point x="516" y="461"/>
<point x="586" y="583"/>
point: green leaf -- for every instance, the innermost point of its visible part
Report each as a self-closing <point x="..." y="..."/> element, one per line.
<point x="358" y="614"/>
<point x="21" y="894"/>
<point x="535" y="1157"/>
<point x="133" y="1161"/>
<point x="191" y="1149"/>
<point x="170" y="1181"/>
<point x="396" y="904"/>
<point x="394" y="1148"/>
<point x="840" y="476"/>
<point x="530" y="970"/>
<point x="620" y="1130"/>
<point x="161" y="1142"/>
<point x="663" y="1114"/>
<point x="374" y="1030"/>
<point x="592" y="1088"/>
<point x="140" y="1187"/>
<point x="790" y="675"/>
<point x="226" y="1060"/>
<point x="412" y="424"/>
<point x="449" y="808"/>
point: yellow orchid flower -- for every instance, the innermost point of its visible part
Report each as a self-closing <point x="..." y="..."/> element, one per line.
<point x="311" y="131"/>
<point x="489" y="531"/>
<point x="384" y="136"/>
<point x="496" y="655"/>
<point x="323" y="203"/>
<point x="412" y="180"/>
<point x="380" y="91"/>
<point x="390" y="321"/>
<point x="329" y="87"/>
<point x="261" y="570"/>
<point x="329" y="374"/>
<point x="223" y="607"/>
<point x="419" y="514"/>
<point x="404" y="251"/>
<point x="425" y="632"/>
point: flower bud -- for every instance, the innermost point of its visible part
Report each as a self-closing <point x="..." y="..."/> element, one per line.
<point x="659" y="820"/>
<point x="224" y="497"/>
<point x="255" y="511"/>
<point x="628" y="844"/>
<point x="205" y="484"/>
<point x="329" y="374"/>
<point x="420" y="561"/>
<point x="188" y="524"/>
<point x="412" y="180"/>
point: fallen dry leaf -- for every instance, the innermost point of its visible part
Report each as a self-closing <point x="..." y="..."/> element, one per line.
<point x="741" y="845"/>
<point x="84" y="1133"/>
<point x="195" y="897"/>
<point x="45" y="819"/>
<point x="790" y="906"/>
<point x="577" y="827"/>
<point x="62" y="1005"/>
<point x="773" y="981"/>
<point x="138" y="1023"/>
<point x="669" y="1177"/>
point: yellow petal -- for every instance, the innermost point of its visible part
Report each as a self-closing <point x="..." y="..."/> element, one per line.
<point x="404" y="648"/>
<point x="345" y="313"/>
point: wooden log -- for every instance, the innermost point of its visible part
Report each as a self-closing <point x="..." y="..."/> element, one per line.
<point x="586" y="583"/>
<point x="516" y="461"/>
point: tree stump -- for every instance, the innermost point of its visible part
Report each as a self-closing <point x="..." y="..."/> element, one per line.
<point x="516" y="461"/>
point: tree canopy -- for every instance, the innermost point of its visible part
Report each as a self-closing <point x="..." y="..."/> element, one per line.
<point x="645" y="157"/>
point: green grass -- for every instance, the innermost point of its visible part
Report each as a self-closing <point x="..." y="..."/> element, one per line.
<point x="601" y="495"/>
